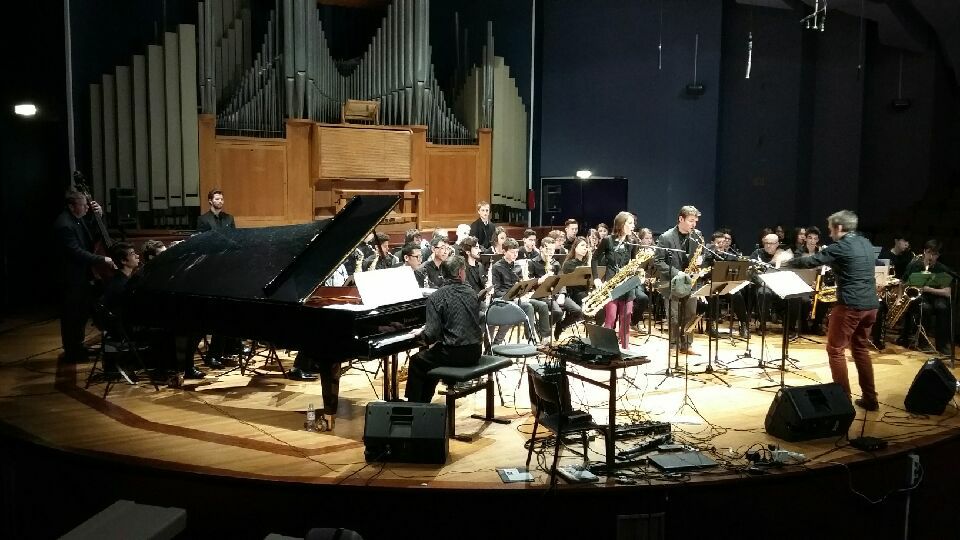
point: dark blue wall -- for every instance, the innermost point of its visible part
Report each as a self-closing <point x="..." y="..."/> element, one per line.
<point x="607" y="107"/>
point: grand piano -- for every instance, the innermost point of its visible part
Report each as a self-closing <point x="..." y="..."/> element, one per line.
<point x="266" y="284"/>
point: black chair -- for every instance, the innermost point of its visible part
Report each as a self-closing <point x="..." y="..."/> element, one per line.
<point x="552" y="411"/>
<point x="118" y="357"/>
<point x="454" y="377"/>
<point x="504" y="313"/>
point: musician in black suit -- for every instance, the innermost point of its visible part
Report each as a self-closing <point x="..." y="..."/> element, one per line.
<point x="434" y="269"/>
<point x="215" y="219"/>
<point x="681" y="242"/>
<point x="452" y="331"/>
<point x="76" y="243"/>
<point x="483" y="229"/>
<point x="410" y="253"/>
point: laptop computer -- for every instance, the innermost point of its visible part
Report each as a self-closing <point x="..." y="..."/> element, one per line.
<point x="605" y="339"/>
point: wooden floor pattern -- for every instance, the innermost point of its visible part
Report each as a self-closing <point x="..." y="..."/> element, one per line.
<point x="251" y="426"/>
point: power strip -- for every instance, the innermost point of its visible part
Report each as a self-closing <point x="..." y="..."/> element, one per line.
<point x="576" y="475"/>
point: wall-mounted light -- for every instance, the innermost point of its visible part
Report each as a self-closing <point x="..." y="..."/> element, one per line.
<point x="25" y="109"/>
<point x="584" y="174"/>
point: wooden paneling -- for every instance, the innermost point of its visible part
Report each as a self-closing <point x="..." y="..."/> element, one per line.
<point x="253" y="177"/>
<point x="361" y="152"/>
<point x="276" y="181"/>
<point x="299" y="189"/>
<point x="451" y="173"/>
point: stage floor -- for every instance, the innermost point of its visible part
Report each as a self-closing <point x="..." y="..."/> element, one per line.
<point x="251" y="426"/>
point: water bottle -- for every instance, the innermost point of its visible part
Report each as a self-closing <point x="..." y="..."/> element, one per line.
<point x="311" y="423"/>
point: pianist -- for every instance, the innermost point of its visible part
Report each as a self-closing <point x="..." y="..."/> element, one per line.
<point x="452" y="331"/>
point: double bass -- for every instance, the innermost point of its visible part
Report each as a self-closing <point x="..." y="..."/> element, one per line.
<point x="101" y="245"/>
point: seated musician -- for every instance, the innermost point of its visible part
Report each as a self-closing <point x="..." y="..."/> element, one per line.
<point x="643" y="300"/>
<point x="559" y="237"/>
<point x="452" y="331"/>
<point x="800" y="238"/>
<point x="615" y="251"/>
<point x="150" y="249"/>
<point x="529" y="248"/>
<point x="808" y="324"/>
<point x="381" y="258"/>
<point x="603" y="230"/>
<point x="114" y="321"/>
<point x="811" y="242"/>
<point x="772" y="256"/>
<point x="434" y="268"/>
<point x="411" y="236"/>
<point x="426" y="247"/>
<point x="496" y="246"/>
<point x="476" y="274"/>
<point x="506" y="273"/>
<point x="719" y="250"/>
<point x="577" y="256"/>
<point x="565" y="311"/>
<point x="483" y="229"/>
<point x="899" y="255"/>
<point x="933" y="304"/>
<point x="410" y="253"/>
<point x="463" y="232"/>
<point x="570" y="230"/>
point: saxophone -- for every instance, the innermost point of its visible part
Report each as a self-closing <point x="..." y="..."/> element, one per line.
<point x="376" y="259"/>
<point x="358" y="255"/>
<point x="594" y="301"/>
<point x="693" y="267"/>
<point x="910" y="294"/>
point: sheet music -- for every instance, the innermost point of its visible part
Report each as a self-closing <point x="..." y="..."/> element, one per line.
<point x="785" y="284"/>
<point x="388" y="286"/>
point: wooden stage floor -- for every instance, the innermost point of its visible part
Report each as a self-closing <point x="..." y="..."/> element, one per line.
<point x="251" y="426"/>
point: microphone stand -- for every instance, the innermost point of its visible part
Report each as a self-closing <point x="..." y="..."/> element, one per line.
<point x="672" y="354"/>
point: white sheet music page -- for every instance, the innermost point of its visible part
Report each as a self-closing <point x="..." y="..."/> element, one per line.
<point x="387" y="286"/>
<point x="785" y="283"/>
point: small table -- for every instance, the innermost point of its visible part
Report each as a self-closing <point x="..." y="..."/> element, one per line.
<point x="611" y="386"/>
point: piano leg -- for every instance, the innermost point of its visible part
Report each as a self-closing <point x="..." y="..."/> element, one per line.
<point x="390" y="392"/>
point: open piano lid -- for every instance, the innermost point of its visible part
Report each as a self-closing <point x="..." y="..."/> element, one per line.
<point x="283" y="264"/>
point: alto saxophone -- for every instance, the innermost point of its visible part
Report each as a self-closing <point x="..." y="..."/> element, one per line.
<point x="358" y="255"/>
<point x="693" y="267"/>
<point x="594" y="301"/>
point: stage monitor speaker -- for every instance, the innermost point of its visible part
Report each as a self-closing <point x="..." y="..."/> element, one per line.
<point x="809" y="412"/>
<point x="932" y="388"/>
<point x="406" y="432"/>
<point x="123" y="207"/>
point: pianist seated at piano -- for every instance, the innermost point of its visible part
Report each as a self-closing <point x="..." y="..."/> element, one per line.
<point x="452" y="332"/>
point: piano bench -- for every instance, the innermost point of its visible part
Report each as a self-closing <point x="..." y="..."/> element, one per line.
<point x="488" y="365"/>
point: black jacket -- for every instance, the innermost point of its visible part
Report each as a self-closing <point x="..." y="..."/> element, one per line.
<point x="483" y="233"/>
<point x="852" y="261"/>
<point x="214" y="222"/>
<point x="76" y="244"/>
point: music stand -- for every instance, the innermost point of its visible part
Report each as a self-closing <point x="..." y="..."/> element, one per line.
<point x="519" y="289"/>
<point x="787" y="285"/>
<point x="547" y="287"/>
<point x="726" y="277"/>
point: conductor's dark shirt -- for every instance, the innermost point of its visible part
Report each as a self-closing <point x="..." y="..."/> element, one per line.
<point x="852" y="260"/>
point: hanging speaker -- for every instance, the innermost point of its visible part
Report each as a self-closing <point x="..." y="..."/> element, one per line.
<point x="932" y="388"/>
<point x="809" y="412"/>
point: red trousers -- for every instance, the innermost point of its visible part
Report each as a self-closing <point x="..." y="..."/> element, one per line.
<point x="851" y="327"/>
